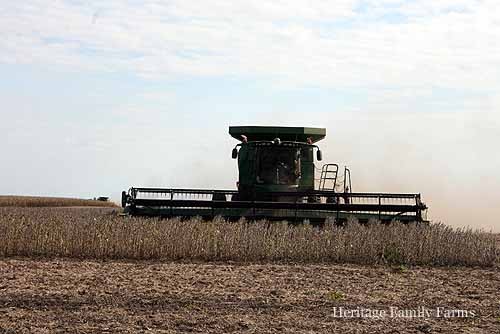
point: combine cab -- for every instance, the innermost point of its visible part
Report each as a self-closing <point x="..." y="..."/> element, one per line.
<point x="277" y="181"/>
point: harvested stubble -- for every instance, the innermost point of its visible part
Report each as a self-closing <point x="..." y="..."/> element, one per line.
<point x="92" y="233"/>
<point x="34" y="201"/>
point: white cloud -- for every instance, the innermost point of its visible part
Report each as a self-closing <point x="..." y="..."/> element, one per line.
<point x="439" y="43"/>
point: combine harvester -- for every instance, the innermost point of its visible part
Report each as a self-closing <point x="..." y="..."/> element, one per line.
<point x="277" y="182"/>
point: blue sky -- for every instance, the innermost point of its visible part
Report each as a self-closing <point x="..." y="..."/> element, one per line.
<point x="99" y="97"/>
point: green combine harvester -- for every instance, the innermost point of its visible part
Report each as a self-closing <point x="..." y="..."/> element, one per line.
<point x="278" y="180"/>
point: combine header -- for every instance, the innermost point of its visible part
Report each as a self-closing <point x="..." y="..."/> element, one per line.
<point x="277" y="181"/>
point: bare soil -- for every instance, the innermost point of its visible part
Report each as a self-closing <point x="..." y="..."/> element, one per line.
<point x="56" y="296"/>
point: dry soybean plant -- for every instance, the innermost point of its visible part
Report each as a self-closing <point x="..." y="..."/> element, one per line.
<point x="33" y="201"/>
<point x="102" y="234"/>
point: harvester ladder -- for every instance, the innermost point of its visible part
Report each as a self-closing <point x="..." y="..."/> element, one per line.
<point x="347" y="180"/>
<point x="329" y="173"/>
